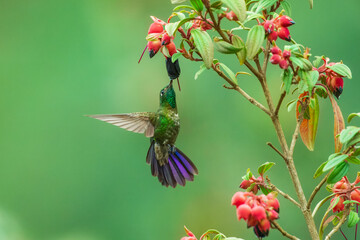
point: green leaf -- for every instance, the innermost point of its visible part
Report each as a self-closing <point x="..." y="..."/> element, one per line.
<point x="334" y="162"/>
<point x="182" y="22"/>
<point x="357" y="152"/>
<point x="239" y="43"/>
<point x="320" y="170"/>
<point x="183" y="7"/>
<point x="287" y="76"/>
<point x="353" y="141"/>
<point x="264" y="4"/>
<point x="339" y="123"/>
<point x="291" y="104"/>
<point x="205" y="46"/>
<point x="254" y="41"/>
<point x="302" y="63"/>
<point x="311" y="2"/>
<point x="238" y="7"/>
<point x="248" y="174"/>
<point x="351" y="202"/>
<point x="197" y="4"/>
<point x="202" y="69"/>
<point x="225" y="47"/>
<point x="265" y="167"/>
<point x="341" y="69"/>
<point x="287" y="7"/>
<point x="338" y="172"/>
<point x="320" y="203"/>
<point x="348" y="133"/>
<point x="170" y="28"/>
<point x="265" y="190"/>
<point x="177" y="1"/>
<point x="230" y="73"/>
<point x="317" y="61"/>
<point x="353" y="219"/>
<point x="353" y="160"/>
<point x="351" y="116"/>
<point x="176" y="56"/>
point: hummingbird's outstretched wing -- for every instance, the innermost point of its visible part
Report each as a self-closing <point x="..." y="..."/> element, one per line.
<point x="140" y="122"/>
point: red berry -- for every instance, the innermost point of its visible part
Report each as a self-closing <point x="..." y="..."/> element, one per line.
<point x="285" y="21"/>
<point x="155" y="28"/>
<point x="286" y="54"/>
<point x="269" y="26"/>
<point x="243" y="211"/>
<point x="275" y="50"/>
<point x="284" y="34"/>
<point x="284" y="64"/>
<point x="273" y="36"/>
<point x="275" y="59"/>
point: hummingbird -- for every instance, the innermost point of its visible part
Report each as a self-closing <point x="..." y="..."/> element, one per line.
<point x="168" y="163"/>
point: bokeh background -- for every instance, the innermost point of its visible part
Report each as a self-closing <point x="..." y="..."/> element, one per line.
<point x="64" y="176"/>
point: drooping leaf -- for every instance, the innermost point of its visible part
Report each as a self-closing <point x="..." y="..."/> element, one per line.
<point x="339" y="123"/>
<point x="287" y="76"/>
<point x="353" y="219"/>
<point x="230" y="73"/>
<point x="202" y="69"/>
<point x="319" y="171"/>
<point x="322" y="227"/>
<point x="205" y="46"/>
<point x="308" y="127"/>
<point x="238" y="7"/>
<point x="254" y="40"/>
<point x="265" y="167"/>
<point x="290" y="105"/>
<point x="341" y="69"/>
<point x="239" y="43"/>
<point x="225" y="47"/>
<point x="197" y="4"/>
<point x="352" y="115"/>
<point x="332" y="162"/>
<point x="338" y="172"/>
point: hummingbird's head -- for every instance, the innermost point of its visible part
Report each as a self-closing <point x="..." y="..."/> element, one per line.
<point x="167" y="96"/>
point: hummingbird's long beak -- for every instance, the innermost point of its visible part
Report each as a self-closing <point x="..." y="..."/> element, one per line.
<point x="171" y="82"/>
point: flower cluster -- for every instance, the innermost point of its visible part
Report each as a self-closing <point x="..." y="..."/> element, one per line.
<point x="344" y="190"/>
<point x="280" y="57"/>
<point x="258" y="211"/>
<point x="278" y="27"/>
<point x="333" y="80"/>
<point x="253" y="182"/>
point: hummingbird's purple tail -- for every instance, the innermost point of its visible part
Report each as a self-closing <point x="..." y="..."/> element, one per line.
<point x="177" y="170"/>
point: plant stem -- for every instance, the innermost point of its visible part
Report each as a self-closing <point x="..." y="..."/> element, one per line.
<point x="283" y="232"/>
<point x="341" y="222"/>
<point x="316" y="190"/>
<point x="287" y="196"/>
<point x="343" y="234"/>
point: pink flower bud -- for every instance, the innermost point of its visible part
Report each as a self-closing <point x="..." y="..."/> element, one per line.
<point x="243" y="211"/>
<point x="284" y="34"/>
<point x="245" y="184"/>
<point x="171" y="48"/>
<point x="284" y="64"/>
<point x="206" y="26"/>
<point x="153" y="47"/>
<point x="340" y="185"/>
<point x="155" y="28"/>
<point x="264" y="226"/>
<point x="286" y="54"/>
<point x="273" y="36"/>
<point x="231" y="16"/>
<point x="166" y="39"/>
<point x="258" y="213"/>
<point x="275" y="50"/>
<point x="275" y="59"/>
<point x="273" y="215"/>
<point x="355" y="195"/>
<point x="339" y="206"/>
<point x="238" y="199"/>
<point x="269" y="26"/>
<point x="285" y="21"/>
<point x="273" y="202"/>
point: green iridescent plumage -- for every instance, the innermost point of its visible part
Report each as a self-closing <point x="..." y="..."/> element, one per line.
<point x="168" y="163"/>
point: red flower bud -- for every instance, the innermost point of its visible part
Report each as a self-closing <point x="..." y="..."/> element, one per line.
<point x="264" y="226"/>
<point x="231" y="16"/>
<point x="258" y="213"/>
<point x="275" y="50"/>
<point x="284" y="34"/>
<point x="339" y="206"/>
<point x="275" y="59"/>
<point x="340" y="185"/>
<point x="243" y="211"/>
<point x="273" y="215"/>
<point x="206" y="26"/>
<point x="284" y="64"/>
<point x="285" y="21"/>
<point x="269" y="26"/>
<point x="171" y="48"/>
<point x="273" y="36"/>
<point x="153" y="47"/>
<point x="273" y="202"/>
<point x="245" y="184"/>
<point x="286" y="54"/>
<point x="355" y="195"/>
<point x="238" y="199"/>
<point x="166" y="39"/>
<point x="155" y="28"/>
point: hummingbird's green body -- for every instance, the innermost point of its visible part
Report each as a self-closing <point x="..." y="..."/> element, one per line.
<point x="168" y="163"/>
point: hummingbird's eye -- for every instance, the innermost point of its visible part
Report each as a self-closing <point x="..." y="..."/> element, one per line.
<point x="162" y="92"/>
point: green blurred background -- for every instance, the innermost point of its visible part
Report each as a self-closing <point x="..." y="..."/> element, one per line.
<point x="67" y="177"/>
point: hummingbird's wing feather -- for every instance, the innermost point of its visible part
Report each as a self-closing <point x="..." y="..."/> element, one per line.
<point x="141" y="122"/>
